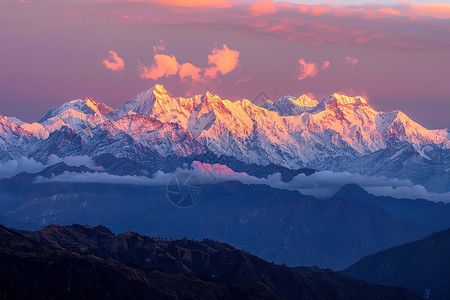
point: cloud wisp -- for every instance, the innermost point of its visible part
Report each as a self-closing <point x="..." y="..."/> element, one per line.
<point x="306" y="69"/>
<point x="192" y="3"/>
<point x="23" y="164"/>
<point x="353" y="61"/>
<point x="333" y="8"/>
<point x="325" y="65"/>
<point x="263" y="7"/>
<point x="310" y="69"/>
<point x="406" y="26"/>
<point x="114" y="62"/>
<point x="160" y="47"/>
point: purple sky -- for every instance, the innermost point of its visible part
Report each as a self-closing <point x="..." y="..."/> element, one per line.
<point x="53" y="51"/>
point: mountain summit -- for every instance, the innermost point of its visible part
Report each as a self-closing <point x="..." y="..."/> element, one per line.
<point x="143" y="103"/>
<point x="290" y="132"/>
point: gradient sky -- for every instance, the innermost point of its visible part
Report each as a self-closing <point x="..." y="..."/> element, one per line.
<point x="396" y="54"/>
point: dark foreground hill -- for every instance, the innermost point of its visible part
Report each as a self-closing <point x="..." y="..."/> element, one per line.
<point x="84" y="262"/>
<point x="421" y="266"/>
<point x="32" y="271"/>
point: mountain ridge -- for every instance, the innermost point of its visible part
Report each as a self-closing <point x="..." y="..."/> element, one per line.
<point x="278" y="225"/>
<point x="77" y="261"/>
<point x="422" y="266"/>
<point x="157" y="122"/>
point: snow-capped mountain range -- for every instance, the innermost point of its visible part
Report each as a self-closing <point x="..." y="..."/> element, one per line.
<point x="291" y="132"/>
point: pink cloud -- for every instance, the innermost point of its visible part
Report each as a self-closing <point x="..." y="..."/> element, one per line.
<point x="263" y="7"/>
<point x="436" y="10"/>
<point x="313" y="10"/>
<point x="307" y="69"/>
<point x="400" y="26"/>
<point x="353" y="61"/>
<point x="215" y="169"/>
<point x="325" y="65"/>
<point x="196" y="3"/>
<point x="160" y="47"/>
<point x="318" y="10"/>
<point x="389" y="11"/>
<point x="243" y="80"/>
<point x="189" y="70"/>
<point x="177" y="3"/>
<point x="115" y="63"/>
<point x="164" y="66"/>
<point x="222" y="61"/>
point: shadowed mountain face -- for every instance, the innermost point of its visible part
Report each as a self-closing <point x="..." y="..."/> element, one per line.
<point x="277" y="225"/>
<point x="223" y="269"/>
<point x="422" y="266"/>
<point x="431" y="215"/>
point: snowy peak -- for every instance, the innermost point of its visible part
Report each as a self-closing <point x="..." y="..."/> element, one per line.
<point x="8" y="127"/>
<point x="397" y="126"/>
<point x="337" y="102"/>
<point x="158" y="103"/>
<point x="99" y="108"/>
<point x="144" y="102"/>
<point x="303" y="101"/>
<point x="87" y="106"/>
<point x="340" y="100"/>
<point x="80" y="115"/>
<point x="16" y="120"/>
<point x="159" y="88"/>
<point x="292" y="132"/>
<point x="291" y="106"/>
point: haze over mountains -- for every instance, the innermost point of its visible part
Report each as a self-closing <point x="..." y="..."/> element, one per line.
<point x="339" y="133"/>
<point x="277" y="225"/>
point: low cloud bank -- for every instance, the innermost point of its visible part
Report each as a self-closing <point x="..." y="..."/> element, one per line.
<point x="322" y="184"/>
<point x="29" y="165"/>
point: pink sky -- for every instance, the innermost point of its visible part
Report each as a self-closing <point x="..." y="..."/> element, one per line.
<point x="397" y="55"/>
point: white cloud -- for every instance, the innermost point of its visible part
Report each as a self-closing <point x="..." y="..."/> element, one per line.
<point x="322" y="185"/>
<point x="23" y="164"/>
<point x="29" y="165"/>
